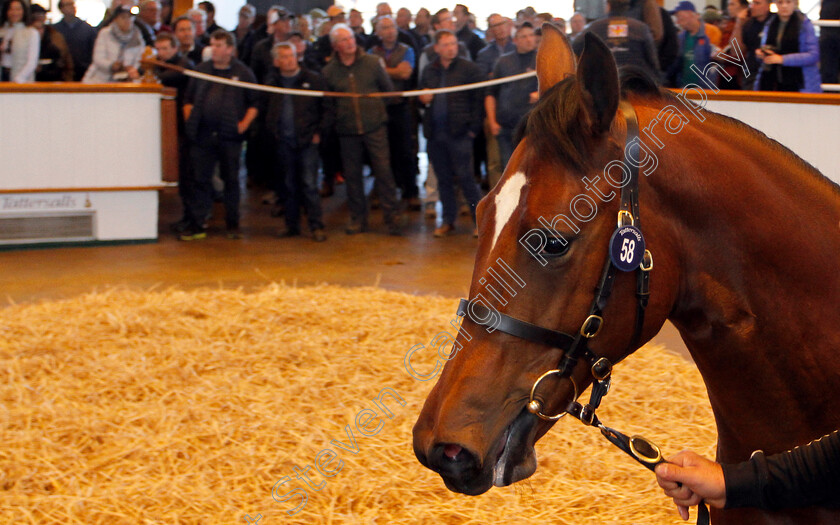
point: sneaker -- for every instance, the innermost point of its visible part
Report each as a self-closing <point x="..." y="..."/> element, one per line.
<point x="355" y="227"/>
<point x="319" y="235"/>
<point x="444" y="230"/>
<point x="193" y="234"/>
<point x="288" y="232"/>
<point x="233" y="233"/>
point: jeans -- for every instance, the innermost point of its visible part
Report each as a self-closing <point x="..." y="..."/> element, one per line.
<point x="452" y="160"/>
<point x="505" y="138"/>
<point x="298" y="174"/>
<point x="403" y="160"/>
<point x="205" y="152"/>
<point x="353" y="148"/>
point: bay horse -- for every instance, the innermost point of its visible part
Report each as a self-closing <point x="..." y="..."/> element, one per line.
<point x="746" y="238"/>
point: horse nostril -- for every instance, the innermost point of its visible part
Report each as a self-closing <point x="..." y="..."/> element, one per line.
<point x="452" y="451"/>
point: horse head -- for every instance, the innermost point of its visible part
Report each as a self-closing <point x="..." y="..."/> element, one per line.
<point x="544" y="235"/>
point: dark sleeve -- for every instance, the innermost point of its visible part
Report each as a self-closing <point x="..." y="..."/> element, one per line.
<point x="477" y="109"/>
<point x="189" y="96"/>
<point x="252" y="98"/>
<point x="805" y="476"/>
<point x="319" y="84"/>
<point x="493" y="91"/>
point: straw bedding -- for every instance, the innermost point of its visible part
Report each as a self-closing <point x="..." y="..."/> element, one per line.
<point x="132" y="407"/>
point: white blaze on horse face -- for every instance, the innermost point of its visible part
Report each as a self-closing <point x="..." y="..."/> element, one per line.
<point x="507" y="200"/>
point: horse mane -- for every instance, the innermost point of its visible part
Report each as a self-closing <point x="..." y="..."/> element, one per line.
<point x="557" y="126"/>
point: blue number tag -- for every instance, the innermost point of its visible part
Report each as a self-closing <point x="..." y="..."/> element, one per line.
<point x="627" y="248"/>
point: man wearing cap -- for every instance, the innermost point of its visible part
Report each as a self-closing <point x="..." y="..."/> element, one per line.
<point x="630" y="40"/>
<point x="696" y="47"/>
<point x="280" y="22"/>
<point x="360" y="124"/>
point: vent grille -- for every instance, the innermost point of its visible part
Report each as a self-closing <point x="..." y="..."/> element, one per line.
<point x="47" y="228"/>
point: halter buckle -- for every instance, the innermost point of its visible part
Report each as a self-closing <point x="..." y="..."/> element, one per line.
<point x="647" y="262"/>
<point x="587" y="330"/>
<point x="601" y="369"/>
<point x="625" y="214"/>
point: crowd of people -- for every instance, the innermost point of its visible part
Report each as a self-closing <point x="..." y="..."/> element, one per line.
<point x="300" y="147"/>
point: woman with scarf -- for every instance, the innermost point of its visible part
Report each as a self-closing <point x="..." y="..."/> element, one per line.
<point x="19" y="43"/>
<point x="117" y="51"/>
<point x="789" y="51"/>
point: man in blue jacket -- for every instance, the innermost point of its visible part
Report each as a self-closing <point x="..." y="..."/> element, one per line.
<point x="695" y="46"/>
<point x="450" y="124"/>
<point x="296" y="124"/>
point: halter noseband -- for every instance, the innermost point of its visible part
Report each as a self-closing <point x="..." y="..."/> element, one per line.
<point x="576" y="346"/>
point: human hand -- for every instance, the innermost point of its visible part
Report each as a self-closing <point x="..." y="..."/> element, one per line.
<point x="495" y="128"/>
<point x="772" y="58"/>
<point x="242" y="126"/>
<point x="117" y="66"/>
<point x="404" y="70"/>
<point x="425" y="99"/>
<point x="133" y="74"/>
<point x="316" y="138"/>
<point x="689" y="478"/>
<point x="533" y="97"/>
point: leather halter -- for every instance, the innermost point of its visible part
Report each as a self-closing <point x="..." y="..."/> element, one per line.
<point x="576" y="347"/>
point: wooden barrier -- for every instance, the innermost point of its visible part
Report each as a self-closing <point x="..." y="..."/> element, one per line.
<point x="84" y="163"/>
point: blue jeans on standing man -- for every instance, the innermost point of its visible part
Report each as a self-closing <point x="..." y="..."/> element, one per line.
<point x="452" y="159"/>
<point x="299" y="180"/>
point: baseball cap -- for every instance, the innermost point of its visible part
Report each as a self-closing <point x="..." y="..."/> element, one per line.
<point x="334" y="10"/>
<point x="685" y="5"/>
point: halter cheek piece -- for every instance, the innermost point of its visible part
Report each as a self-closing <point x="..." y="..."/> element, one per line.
<point x="576" y="347"/>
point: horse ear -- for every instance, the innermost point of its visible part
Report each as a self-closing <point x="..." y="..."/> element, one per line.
<point x="555" y="59"/>
<point x="598" y="81"/>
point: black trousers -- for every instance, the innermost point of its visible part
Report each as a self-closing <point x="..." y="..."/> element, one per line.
<point x="208" y="150"/>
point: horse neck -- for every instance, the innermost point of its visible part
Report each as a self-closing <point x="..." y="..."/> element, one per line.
<point x="755" y="236"/>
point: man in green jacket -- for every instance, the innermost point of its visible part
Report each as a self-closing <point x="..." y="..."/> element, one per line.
<point x="360" y="124"/>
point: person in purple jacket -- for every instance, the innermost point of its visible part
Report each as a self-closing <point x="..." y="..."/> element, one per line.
<point x="789" y="51"/>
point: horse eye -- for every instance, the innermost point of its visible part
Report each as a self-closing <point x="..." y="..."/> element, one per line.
<point x="556" y="247"/>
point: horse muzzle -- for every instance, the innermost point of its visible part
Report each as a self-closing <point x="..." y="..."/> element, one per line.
<point x="511" y="458"/>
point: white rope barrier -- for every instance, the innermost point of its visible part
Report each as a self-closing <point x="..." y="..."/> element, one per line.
<point x="310" y="93"/>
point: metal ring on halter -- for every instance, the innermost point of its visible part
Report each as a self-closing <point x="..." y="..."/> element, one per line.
<point x="535" y="406"/>
<point x="644" y="450"/>
<point x="622" y="214"/>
